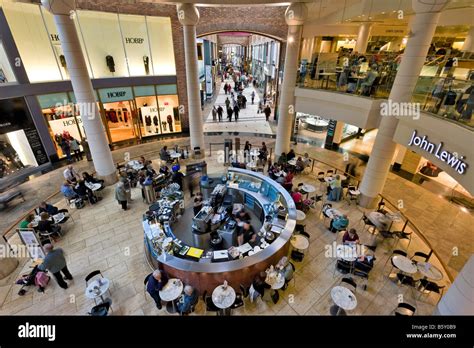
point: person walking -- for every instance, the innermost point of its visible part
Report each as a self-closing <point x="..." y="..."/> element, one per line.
<point x="229" y="114"/>
<point x="220" y="111"/>
<point x="121" y="195"/>
<point x="225" y="88"/>
<point x="253" y="96"/>
<point x="236" y="112"/>
<point x="66" y="149"/>
<point x="267" y="111"/>
<point x="55" y="262"/>
<point x="76" y="149"/>
<point x="227" y="102"/>
<point x="214" y="114"/>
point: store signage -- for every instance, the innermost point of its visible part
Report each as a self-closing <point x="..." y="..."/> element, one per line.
<point x="54" y="37"/>
<point x="330" y="134"/>
<point x="451" y="158"/>
<point x="67" y="125"/>
<point x="116" y="94"/>
<point x="134" y="40"/>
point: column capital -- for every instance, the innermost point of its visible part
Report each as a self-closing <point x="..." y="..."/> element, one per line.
<point x="188" y="14"/>
<point x="296" y="13"/>
<point x="423" y="6"/>
<point x="59" y="7"/>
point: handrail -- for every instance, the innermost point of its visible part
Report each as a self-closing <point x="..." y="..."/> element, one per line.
<point x="420" y="234"/>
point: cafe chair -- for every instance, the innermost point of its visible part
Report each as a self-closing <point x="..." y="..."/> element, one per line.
<point x="244" y="291"/>
<point x="297" y="255"/>
<point x="381" y="208"/>
<point x="343" y="266"/>
<point x="349" y="283"/>
<point x="210" y="306"/>
<point x="367" y="223"/>
<point x="330" y="172"/>
<point x="324" y="207"/>
<point x="101" y="310"/>
<point x="239" y="301"/>
<point x="352" y="195"/>
<point x="405" y="279"/>
<point x="300" y="229"/>
<point x="402" y="235"/>
<point x="404" y="309"/>
<point x="426" y="286"/>
<point x="420" y="257"/>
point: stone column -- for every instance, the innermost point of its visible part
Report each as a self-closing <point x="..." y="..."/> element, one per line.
<point x="422" y="28"/>
<point x="458" y="300"/>
<point x="81" y="84"/>
<point x="188" y="16"/>
<point x="468" y="45"/>
<point x="338" y="135"/>
<point x="363" y="37"/>
<point x="294" y="16"/>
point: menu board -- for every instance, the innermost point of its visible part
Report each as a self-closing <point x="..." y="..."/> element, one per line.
<point x="34" y="247"/>
<point x="36" y="145"/>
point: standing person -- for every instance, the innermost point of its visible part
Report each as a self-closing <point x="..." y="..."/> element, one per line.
<point x="55" y="262"/>
<point x="155" y="283"/>
<point x="225" y="88"/>
<point x="227" y="102"/>
<point x="71" y="175"/>
<point x="267" y="111"/>
<point x="236" y="112"/>
<point x="126" y="185"/>
<point x="121" y="195"/>
<point x="85" y="147"/>
<point x="220" y="111"/>
<point x="76" y="149"/>
<point x="197" y="204"/>
<point x="214" y="114"/>
<point x="253" y="96"/>
<point x="66" y="149"/>
<point x="244" y="101"/>
<point x="177" y="178"/>
<point x="229" y="113"/>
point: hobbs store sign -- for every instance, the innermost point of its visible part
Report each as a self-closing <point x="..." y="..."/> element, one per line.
<point x="451" y="158"/>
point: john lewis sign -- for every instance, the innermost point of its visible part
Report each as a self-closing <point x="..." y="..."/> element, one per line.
<point x="451" y="158"/>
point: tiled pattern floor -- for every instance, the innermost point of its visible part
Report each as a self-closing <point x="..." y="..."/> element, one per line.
<point x="106" y="238"/>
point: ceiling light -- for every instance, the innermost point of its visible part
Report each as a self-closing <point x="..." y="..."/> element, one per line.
<point x="383" y="12"/>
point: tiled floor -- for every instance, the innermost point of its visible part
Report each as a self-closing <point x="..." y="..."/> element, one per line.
<point x="106" y="238"/>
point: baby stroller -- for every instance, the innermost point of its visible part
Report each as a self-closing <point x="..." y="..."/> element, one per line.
<point x="36" y="277"/>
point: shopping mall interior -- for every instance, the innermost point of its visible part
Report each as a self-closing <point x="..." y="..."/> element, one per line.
<point x="231" y="158"/>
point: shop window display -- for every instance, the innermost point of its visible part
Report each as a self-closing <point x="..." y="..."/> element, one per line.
<point x="120" y="120"/>
<point x="148" y="116"/>
<point x="169" y="113"/>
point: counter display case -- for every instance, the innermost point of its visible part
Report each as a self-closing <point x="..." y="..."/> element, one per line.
<point x="204" y="270"/>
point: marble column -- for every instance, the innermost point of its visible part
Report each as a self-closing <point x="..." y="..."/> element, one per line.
<point x="81" y="84"/>
<point x="363" y="37"/>
<point x="422" y="28"/>
<point x="188" y="16"/>
<point x="295" y="15"/>
<point x="338" y="134"/>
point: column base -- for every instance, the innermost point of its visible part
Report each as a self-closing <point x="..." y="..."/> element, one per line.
<point x="368" y="202"/>
<point x="109" y="179"/>
<point x="7" y="266"/>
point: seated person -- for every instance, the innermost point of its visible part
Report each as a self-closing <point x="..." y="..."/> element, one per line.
<point x="177" y="178"/>
<point x="369" y="80"/>
<point x="68" y="191"/>
<point x="27" y="222"/>
<point x="84" y="192"/>
<point x="142" y="160"/>
<point x="257" y="288"/>
<point x="280" y="180"/>
<point x="149" y="168"/>
<point x="288" y="182"/>
<point x="243" y="216"/>
<point x="89" y="178"/>
<point x="284" y="266"/>
<point x="350" y="237"/>
<point x="50" y="209"/>
<point x="297" y="196"/>
<point x="300" y="164"/>
<point x="71" y="175"/>
<point x="274" y="168"/>
<point x="282" y="160"/>
<point x="306" y="159"/>
<point x="164" y="170"/>
<point x="247" y="234"/>
<point x="339" y="223"/>
<point x="187" y="299"/>
<point x="164" y="154"/>
<point x="47" y="225"/>
<point x="290" y="155"/>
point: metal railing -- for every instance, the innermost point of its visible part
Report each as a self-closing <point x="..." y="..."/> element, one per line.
<point x="410" y="227"/>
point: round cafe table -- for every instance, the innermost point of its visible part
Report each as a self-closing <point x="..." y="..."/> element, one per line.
<point x="300" y="216"/>
<point x="170" y="292"/>
<point x="429" y="271"/>
<point x="96" y="289"/>
<point x="344" y="299"/>
<point x="307" y="189"/>
<point x="223" y="297"/>
<point x="254" y="152"/>
<point x="332" y="213"/>
<point x="299" y="242"/>
<point x="404" y="264"/>
<point x="175" y="156"/>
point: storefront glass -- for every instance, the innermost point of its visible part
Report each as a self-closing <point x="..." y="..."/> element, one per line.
<point x="161" y="44"/>
<point x="6" y="72"/>
<point x="20" y="144"/>
<point x="169" y="108"/>
<point x="64" y="122"/>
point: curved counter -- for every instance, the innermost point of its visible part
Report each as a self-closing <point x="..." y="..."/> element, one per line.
<point x="202" y="273"/>
<point x="315" y="124"/>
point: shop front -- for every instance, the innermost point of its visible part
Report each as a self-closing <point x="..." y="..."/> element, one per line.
<point x="129" y="114"/>
<point x="21" y="148"/>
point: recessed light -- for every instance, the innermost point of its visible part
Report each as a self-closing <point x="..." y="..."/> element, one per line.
<point x="383" y="12"/>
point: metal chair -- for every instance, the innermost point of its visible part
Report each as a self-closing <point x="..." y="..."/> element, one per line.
<point x="404" y="309"/>
<point x="402" y="235"/>
<point x="210" y="306"/>
<point x="367" y="222"/>
<point x="349" y="283"/>
<point x="394" y="253"/>
<point x="420" y="256"/>
<point x="426" y="286"/>
<point x="300" y="229"/>
<point x="329" y="172"/>
<point x="324" y="207"/>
